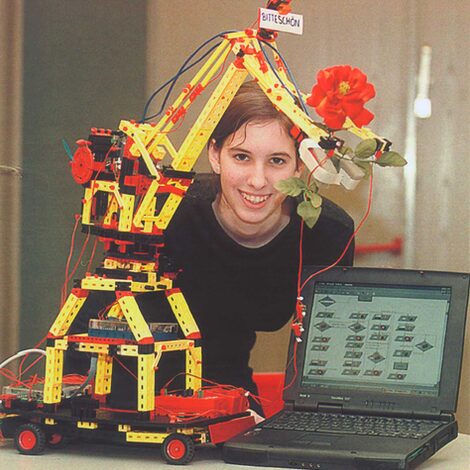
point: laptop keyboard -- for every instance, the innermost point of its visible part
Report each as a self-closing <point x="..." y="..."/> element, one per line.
<point x="352" y="424"/>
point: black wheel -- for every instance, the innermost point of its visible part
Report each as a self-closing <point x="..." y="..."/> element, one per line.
<point x="30" y="439"/>
<point x="178" y="449"/>
<point x="57" y="440"/>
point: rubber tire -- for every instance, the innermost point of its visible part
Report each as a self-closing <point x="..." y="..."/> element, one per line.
<point x="35" y="433"/>
<point x="175" y="455"/>
<point x="52" y="444"/>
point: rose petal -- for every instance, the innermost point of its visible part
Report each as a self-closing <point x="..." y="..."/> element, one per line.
<point x="316" y="96"/>
<point x="352" y="108"/>
<point x="368" y="92"/>
<point x="335" y="120"/>
<point x="363" y="118"/>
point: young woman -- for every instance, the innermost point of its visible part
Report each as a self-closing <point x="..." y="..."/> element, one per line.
<point x="236" y="240"/>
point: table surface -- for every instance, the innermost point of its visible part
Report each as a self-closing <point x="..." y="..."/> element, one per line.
<point x="454" y="456"/>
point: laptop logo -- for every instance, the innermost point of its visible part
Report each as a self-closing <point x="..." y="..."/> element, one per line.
<point x="327" y="301"/>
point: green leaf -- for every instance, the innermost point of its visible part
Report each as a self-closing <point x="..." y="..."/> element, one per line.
<point x="366" y="148"/>
<point x="309" y="213"/>
<point x="314" y="198"/>
<point x="365" y="166"/>
<point x="291" y="186"/>
<point x="391" y="159"/>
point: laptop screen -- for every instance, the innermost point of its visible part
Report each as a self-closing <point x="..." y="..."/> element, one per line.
<point x="376" y="338"/>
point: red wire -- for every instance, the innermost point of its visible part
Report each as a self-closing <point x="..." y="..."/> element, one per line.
<point x="38" y="345"/>
<point x="222" y="68"/>
<point x="351" y="238"/>
<point x="92" y="255"/>
<point x="125" y="368"/>
<point x="294" y="361"/>
<point x="67" y="279"/>
<point x="31" y="365"/>
<point x="11" y="376"/>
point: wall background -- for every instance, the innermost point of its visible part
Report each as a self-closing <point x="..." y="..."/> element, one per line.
<point x="89" y="64"/>
<point x="84" y="66"/>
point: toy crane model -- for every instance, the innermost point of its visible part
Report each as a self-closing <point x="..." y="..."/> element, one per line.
<point x="129" y="200"/>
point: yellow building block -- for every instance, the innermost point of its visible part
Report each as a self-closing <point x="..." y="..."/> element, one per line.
<point x="145" y="382"/>
<point x="133" y="315"/>
<point x="115" y="311"/>
<point x="139" y="148"/>
<point x="173" y="345"/>
<point x="182" y="313"/>
<point x="93" y="348"/>
<point x="168" y="210"/>
<point x="100" y="283"/>
<point x="87" y="425"/>
<point x="127" y="350"/>
<point x="209" y="118"/>
<point x="193" y="368"/>
<point x="108" y="187"/>
<point x="146" y="205"/>
<point x="104" y="373"/>
<point x="149" y="216"/>
<point x="87" y="206"/>
<point x="127" y="213"/>
<point x="53" y="375"/>
<point x="112" y="210"/>
<point x="68" y="312"/>
<point x="151" y="437"/>
<point x="61" y="344"/>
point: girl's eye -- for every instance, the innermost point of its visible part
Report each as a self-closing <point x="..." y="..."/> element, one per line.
<point x="278" y="161"/>
<point x="241" y="157"/>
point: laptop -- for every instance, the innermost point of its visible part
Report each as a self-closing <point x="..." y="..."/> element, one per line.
<point x="375" y="377"/>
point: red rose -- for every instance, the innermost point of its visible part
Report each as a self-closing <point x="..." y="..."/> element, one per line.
<point x="341" y="92"/>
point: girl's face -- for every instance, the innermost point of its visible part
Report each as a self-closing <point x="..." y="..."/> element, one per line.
<point x="250" y="162"/>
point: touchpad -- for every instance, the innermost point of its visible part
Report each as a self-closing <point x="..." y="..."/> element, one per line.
<point x="314" y="440"/>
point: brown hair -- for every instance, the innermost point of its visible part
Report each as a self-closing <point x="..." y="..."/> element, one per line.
<point x="250" y="104"/>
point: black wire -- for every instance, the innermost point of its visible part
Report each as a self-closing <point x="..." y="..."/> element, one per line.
<point x="268" y="60"/>
<point x="289" y="73"/>
<point x="182" y="70"/>
<point x="173" y="79"/>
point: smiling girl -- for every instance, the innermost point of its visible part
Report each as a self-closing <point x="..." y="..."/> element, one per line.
<point x="236" y="240"/>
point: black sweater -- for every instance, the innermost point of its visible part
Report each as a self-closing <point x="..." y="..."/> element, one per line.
<point x="234" y="291"/>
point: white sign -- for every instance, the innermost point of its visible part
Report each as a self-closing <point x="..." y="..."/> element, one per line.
<point x="271" y="19"/>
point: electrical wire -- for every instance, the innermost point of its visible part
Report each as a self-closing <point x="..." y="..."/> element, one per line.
<point x="173" y="81"/>
<point x="351" y="238"/>
<point x="289" y="73"/>
<point x="22" y="353"/>
<point x="184" y="68"/>
<point x="293" y="360"/>
<point x="274" y="71"/>
<point x="91" y="375"/>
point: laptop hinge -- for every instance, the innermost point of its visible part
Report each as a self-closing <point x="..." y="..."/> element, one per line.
<point x="447" y="416"/>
